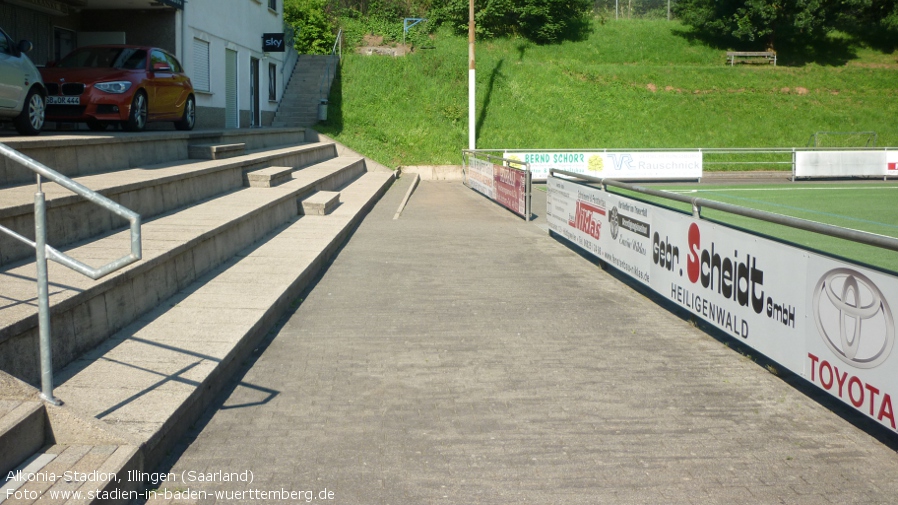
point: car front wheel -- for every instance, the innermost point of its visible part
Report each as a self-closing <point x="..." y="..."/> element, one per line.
<point x="188" y="120"/>
<point x="137" y="118"/>
<point x="31" y="120"/>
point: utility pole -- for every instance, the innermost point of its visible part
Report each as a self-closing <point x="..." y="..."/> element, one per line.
<point x="472" y="84"/>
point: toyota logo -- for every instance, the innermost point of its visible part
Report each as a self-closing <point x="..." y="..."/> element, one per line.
<point x="853" y="318"/>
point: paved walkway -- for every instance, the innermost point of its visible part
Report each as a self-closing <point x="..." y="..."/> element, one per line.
<point x="460" y="355"/>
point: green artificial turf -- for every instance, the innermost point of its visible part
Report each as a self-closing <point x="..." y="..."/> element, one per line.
<point x="870" y="207"/>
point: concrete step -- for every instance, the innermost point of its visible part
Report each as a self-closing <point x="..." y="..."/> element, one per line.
<point x="299" y="108"/>
<point x="297" y="101"/>
<point x="81" y="154"/>
<point x="310" y="73"/>
<point x="306" y="113"/>
<point x="21" y="432"/>
<point x="216" y="151"/>
<point x="178" y="248"/>
<point x="302" y="116"/>
<point x="311" y="117"/>
<point x="309" y="106"/>
<point x="312" y="100"/>
<point x="318" y="67"/>
<point x="288" y="122"/>
<point x="71" y="474"/>
<point x="313" y="60"/>
<point x="149" y="190"/>
<point x="299" y="120"/>
<point x="155" y="377"/>
<point x="304" y="69"/>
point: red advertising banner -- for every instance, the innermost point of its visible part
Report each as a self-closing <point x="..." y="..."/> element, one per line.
<point x="511" y="188"/>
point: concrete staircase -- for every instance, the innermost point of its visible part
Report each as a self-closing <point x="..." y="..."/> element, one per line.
<point x="299" y="106"/>
<point x="140" y="353"/>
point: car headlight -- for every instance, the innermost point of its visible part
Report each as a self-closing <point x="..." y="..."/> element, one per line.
<point x="117" y="87"/>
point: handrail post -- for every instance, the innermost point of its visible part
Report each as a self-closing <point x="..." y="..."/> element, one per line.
<point x="793" y="164"/>
<point x="43" y="252"/>
<point x="43" y="295"/>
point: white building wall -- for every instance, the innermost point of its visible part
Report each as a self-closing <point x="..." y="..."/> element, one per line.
<point x="237" y="25"/>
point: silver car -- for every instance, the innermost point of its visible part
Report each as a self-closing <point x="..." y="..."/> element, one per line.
<point x="22" y="92"/>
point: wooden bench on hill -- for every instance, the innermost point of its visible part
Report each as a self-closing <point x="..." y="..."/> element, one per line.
<point x="732" y="55"/>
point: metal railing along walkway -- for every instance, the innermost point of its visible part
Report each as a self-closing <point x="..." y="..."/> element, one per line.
<point x="736" y="158"/>
<point x="44" y="251"/>
<point x="697" y="204"/>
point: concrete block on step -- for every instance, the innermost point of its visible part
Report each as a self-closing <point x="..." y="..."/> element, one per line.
<point x="216" y="151"/>
<point x="269" y="177"/>
<point x="320" y="204"/>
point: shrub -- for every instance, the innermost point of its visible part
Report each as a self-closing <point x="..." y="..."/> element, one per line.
<point x="313" y="27"/>
<point x="542" y="21"/>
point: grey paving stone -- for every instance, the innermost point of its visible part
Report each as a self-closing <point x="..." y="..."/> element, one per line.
<point x="460" y="355"/>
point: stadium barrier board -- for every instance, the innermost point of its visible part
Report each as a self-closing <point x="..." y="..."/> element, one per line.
<point x="507" y="182"/>
<point x="846" y="163"/>
<point x="633" y="165"/>
<point x="826" y="320"/>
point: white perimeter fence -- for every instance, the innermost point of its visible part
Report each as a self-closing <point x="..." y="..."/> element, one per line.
<point x="679" y="164"/>
<point x="827" y="320"/>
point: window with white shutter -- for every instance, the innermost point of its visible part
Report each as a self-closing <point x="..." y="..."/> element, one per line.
<point x="200" y="75"/>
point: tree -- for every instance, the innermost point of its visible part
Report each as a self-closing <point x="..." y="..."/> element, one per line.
<point x="313" y="28"/>
<point x="800" y="23"/>
<point x="758" y="22"/>
<point x="542" y="21"/>
<point x="873" y="21"/>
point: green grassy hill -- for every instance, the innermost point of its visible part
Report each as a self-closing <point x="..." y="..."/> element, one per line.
<point x="633" y="84"/>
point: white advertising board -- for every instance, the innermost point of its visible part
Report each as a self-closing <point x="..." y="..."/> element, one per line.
<point x="614" y="229"/>
<point x="850" y="341"/>
<point x="744" y="285"/>
<point x="623" y="165"/>
<point x="840" y="163"/>
<point x="480" y="177"/>
<point x="826" y="320"/>
<point x="892" y="163"/>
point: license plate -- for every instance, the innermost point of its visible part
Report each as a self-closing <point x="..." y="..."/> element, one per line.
<point x="63" y="100"/>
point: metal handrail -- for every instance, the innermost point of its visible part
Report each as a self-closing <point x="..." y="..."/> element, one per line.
<point x="338" y="43"/>
<point x="292" y="56"/>
<point x="698" y="204"/>
<point x="337" y="51"/>
<point x="43" y="251"/>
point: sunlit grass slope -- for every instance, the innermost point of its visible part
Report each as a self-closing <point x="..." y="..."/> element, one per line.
<point x="632" y="84"/>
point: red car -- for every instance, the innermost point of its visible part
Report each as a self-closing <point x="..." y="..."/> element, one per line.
<point x="110" y="84"/>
